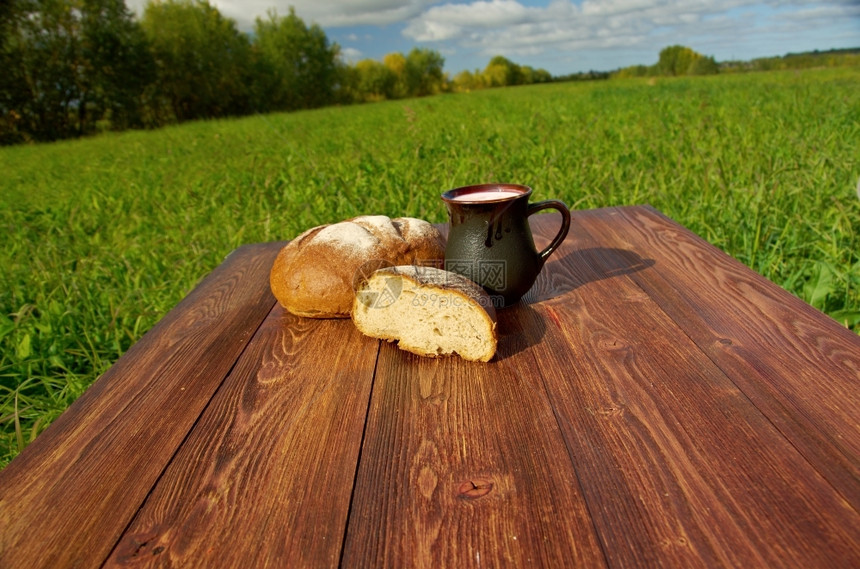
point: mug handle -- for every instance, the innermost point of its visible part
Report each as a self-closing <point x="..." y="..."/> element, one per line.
<point x="565" y="223"/>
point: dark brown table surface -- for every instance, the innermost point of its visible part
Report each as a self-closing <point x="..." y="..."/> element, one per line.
<point x="652" y="403"/>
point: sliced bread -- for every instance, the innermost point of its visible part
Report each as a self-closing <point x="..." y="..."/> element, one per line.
<point x="428" y="311"/>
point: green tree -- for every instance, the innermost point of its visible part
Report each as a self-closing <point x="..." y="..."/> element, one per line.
<point x="675" y="60"/>
<point x="117" y="67"/>
<point x="501" y="72"/>
<point x="681" y="60"/>
<point x="467" y="80"/>
<point x="424" y="73"/>
<point x="36" y="47"/>
<point x="299" y="62"/>
<point x="70" y="67"/>
<point x="376" y="81"/>
<point x="704" y="65"/>
<point x="538" y="75"/>
<point x="203" y="61"/>
<point x="396" y="63"/>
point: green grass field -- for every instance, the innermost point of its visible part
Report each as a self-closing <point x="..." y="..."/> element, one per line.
<point x="103" y="236"/>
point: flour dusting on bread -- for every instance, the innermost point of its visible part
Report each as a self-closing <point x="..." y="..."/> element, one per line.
<point x="412" y="229"/>
<point x="314" y="274"/>
<point x="380" y="225"/>
<point x="348" y="236"/>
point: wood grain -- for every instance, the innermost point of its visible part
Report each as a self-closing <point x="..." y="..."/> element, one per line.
<point x="266" y="477"/>
<point x="652" y="403"/>
<point x="678" y="466"/>
<point x="463" y="465"/>
<point x="775" y="347"/>
<point x="65" y="500"/>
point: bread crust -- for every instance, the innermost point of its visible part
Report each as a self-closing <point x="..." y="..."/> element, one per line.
<point x="314" y="275"/>
<point x="433" y="281"/>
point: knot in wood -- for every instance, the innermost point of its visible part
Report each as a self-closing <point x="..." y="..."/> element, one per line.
<point x="475" y="488"/>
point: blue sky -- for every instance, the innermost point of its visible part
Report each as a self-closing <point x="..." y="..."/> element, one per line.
<point x="567" y="36"/>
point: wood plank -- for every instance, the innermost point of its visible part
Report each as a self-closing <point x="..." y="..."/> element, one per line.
<point x="798" y="366"/>
<point x="552" y="283"/>
<point x="678" y="467"/>
<point x="653" y="402"/>
<point x="103" y="455"/>
<point x="463" y="465"/>
<point x="265" y="478"/>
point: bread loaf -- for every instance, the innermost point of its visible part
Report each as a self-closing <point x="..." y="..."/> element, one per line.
<point x="315" y="274"/>
<point x="428" y="311"/>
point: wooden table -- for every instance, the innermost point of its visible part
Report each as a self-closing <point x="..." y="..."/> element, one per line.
<point x="652" y="403"/>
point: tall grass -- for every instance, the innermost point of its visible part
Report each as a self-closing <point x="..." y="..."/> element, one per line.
<point x="103" y="236"/>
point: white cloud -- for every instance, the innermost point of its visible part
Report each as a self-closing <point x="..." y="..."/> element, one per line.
<point x="335" y="13"/>
<point x="351" y="55"/>
<point x="595" y="33"/>
<point x="326" y="13"/>
<point x="451" y="20"/>
<point x="509" y="28"/>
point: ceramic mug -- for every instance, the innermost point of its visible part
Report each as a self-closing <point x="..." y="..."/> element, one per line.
<point x="490" y="241"/>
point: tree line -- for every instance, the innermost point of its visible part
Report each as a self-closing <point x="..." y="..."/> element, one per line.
<point x="72" y="68"/>
<point x="849" y="57"/>
<point x="673" y="61"/>
<point x="679" y="60"/>
<point x="77" y="67"/>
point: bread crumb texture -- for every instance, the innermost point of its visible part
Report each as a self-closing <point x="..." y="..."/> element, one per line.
<point x="427" y="311"/>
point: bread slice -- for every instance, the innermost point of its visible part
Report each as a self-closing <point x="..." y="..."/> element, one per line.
<point x="428" y="311"/>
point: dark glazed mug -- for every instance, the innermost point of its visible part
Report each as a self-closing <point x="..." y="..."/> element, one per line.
<point x="490" y="241"/>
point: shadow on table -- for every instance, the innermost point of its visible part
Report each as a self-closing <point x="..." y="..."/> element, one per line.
<point x="582" y="266"/>
<point x="518" y="327"/>
<point x="521" y="326"/>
